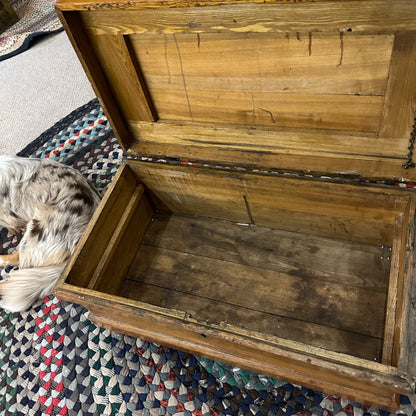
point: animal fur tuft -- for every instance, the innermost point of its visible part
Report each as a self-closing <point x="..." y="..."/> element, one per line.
<point x="51" y="204"/>
<point x="23" y="287"/>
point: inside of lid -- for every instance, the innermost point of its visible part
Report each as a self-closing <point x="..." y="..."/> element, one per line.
<point x="298" y="80"/>
<point x="324" y="101"/>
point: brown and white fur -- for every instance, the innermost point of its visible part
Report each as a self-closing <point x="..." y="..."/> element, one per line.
<point x="50" y="204"/>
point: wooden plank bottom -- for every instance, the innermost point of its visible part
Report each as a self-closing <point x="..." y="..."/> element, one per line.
<point x="318" y="291"/>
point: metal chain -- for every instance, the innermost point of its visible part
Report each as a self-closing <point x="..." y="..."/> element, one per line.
<point x="409" y="163"/>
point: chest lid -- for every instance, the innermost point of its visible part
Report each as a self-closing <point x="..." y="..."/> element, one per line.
<point x="326" y="87"/>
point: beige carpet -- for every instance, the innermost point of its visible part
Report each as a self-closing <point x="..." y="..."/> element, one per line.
<point x="37" y="88"/>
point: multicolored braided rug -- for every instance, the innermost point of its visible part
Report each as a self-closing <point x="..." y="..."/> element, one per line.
<point x="36" y="18"/>
<point x="54" y="361"/>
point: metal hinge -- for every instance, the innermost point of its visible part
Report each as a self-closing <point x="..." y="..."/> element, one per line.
<point x="165" y="160"/>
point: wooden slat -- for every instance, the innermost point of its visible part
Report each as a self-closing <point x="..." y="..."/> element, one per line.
<point x="124" y="243"/>
<point x="286" y="142"/>
<point x="306" y="16"/>
<point x="335" y="166"/>
<point x="291" y="63"/>
<point x="311" y="151"/>
<point x="404" y="351"/>
<point x="328" y="260"/>
<point x="320" y="111"/>
<point x="208" y="77"/>
<point x="400" y="106"/>
<point x="97" y="235"/>
<point x="80" y="41"/>
<point x="305" y="332"/>
<point x="361" y="380"/>
<point x="288" y="295"/>
<point x="283" y="203"/>
<point x="395" y="287"/>
<point x="123" y="74"/>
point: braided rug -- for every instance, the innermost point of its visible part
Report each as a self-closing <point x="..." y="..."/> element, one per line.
<point x="36" y="17"/>
<point x="55" y="361"/>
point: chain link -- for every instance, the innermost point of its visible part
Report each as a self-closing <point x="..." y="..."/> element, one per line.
<point x="409" y="163"/>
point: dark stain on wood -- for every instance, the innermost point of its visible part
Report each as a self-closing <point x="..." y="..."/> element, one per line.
<point x="264" y="280"/>
<point x="183" y="77"/>
<point x="341" y="39"/>
<point x="310" y="44"/>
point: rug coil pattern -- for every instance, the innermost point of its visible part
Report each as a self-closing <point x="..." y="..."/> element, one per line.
<point x="55" y="361"/>
<point x="36" y="18"/>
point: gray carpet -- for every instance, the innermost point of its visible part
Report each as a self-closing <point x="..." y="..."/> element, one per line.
<point x="39" y="87"/>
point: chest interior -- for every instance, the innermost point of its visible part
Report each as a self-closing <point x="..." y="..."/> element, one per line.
<point x="254" y="220"/>
<point x="296" y="260"/>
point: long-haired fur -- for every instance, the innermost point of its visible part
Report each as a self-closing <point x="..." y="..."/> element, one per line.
<point x="51" y="205"/>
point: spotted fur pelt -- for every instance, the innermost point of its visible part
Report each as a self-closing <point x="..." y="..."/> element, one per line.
<point x="50" y="204"/>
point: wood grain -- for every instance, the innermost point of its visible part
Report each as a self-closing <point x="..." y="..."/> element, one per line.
<point x="207" y="268"/>
<point x="81" y="43"/>
<point x="356" y="379"/>
<point x="291" y="63"/>
<point x="123" y="73"/>
<point x="124" y="242"/>
<point x="266" y="141"/>
<point x="327" y="153"/>
<point x="209" y="310"/>
<point x="401" y="89"/>
<point x="292" y="81"/>
<point x="100" y="229"/>
<point x="288" y="295"/>
<point x="379" y="16"/>
<point x="275" y="202"/>
<point x="327" y="260"/>
<point x="188" y="81"/>
<point x="335" y="166"/>
<point x="395" y="288"/>
<point x="405" y="330"/>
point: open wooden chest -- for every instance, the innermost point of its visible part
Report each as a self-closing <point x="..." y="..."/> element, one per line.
<point x="258" y="219"/>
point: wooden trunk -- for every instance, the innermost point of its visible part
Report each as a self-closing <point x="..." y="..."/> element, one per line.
<point x="258" y="219"/>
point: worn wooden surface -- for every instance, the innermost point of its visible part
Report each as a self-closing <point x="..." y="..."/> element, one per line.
<point x="357" y="379"/>
<point x="316" y="152"/>
<point x="327" y="293"/>
<point x="93" y="244"/>
<point x="400" y="88"/>
<point x="279" y="16"/>
<point x="126" y="80"/>
<point x="405" y="330"/>
<point x="123" y="244"/>
<point x="310" y="207"/>
<point x="76" y="30"/>
<point x="325" y="87"/>
<point x="315" y="276"/>
<point x="180" y="72"/>
<point x="294" y="81"/>
<point x="395" y="288"/>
